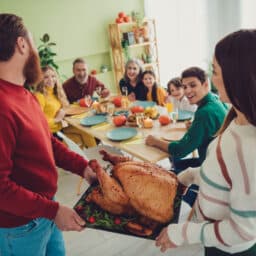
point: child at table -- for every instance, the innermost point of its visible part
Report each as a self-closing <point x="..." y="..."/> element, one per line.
<point x="177" y="96"/>
<point x="154" y="92"/>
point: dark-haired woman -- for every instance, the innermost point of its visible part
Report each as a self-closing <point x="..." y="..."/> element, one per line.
<point x="226" y="205"/>
<point x="154" y="92"/>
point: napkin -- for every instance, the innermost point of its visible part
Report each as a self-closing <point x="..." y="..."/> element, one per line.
<point x="101" y="125"/>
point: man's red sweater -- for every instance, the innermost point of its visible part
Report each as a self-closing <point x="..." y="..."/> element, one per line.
<point x="28" y="158"/>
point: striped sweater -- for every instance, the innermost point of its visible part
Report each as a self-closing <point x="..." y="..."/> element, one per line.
<point x="226" y="204"/>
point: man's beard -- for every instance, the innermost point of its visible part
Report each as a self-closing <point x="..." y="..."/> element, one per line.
<point x="82" y="79"/>
<point x="32" y="69"/>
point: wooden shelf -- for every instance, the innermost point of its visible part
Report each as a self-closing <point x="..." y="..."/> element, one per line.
<point x="144" y="51"/>
<point x="146" y="65"/>
<point x="142" y="44"/>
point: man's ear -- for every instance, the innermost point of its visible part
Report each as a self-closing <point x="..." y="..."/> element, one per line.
<point x="21" y="45"/>
<point x="206" y="85"/>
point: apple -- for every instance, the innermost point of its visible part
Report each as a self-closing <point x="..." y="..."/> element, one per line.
<point x="119" y="120"/>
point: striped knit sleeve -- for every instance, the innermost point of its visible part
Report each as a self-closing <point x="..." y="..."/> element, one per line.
<point x="236" y="163"/>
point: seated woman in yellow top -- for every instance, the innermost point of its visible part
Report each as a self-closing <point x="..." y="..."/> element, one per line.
<point x="155" y="93"/>
<point x="52" y="99"/>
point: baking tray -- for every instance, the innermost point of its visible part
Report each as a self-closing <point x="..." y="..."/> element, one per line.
<point x="97" y="218"/>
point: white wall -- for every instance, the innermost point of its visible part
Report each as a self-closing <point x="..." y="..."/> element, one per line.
<point x="188" y="30"/>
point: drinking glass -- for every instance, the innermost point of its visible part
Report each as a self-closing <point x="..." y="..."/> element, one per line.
<point x="125" y="91"/>
<point x="169" y="107"/>
<point x="140" y="119"/>
<point x="174" y="116"/>
<point x="110" y="109"/>
<point x="88" y="100"/>
<point x="98" y="90"/>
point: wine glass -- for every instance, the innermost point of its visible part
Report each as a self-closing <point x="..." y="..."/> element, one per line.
<point x="98" y="90"/>
<point x="140" y="119"/>
<point x="110" y="109"/>
<point x="124" y="90"/>
<point x="174" y="116"/>
<point x="88" y="100"/>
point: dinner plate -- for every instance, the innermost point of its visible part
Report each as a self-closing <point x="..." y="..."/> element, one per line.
<point x="185" y="115"/>
<point x="144" y="104"/>
<point x="93" y="120"/>
<point x="122" y="133"/>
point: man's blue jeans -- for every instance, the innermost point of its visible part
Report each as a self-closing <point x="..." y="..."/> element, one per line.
<point x="39" y="237"/>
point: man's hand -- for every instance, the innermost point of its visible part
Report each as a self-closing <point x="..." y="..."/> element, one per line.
<point x="68" y="220"/>
<point x="89" y="175"/>
<point x="104" y="93"/>
<point x="163" y="241"/>
<point x="151" y="140"/>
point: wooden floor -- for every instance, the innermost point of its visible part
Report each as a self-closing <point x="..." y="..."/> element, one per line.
<point x="95" y="243"/>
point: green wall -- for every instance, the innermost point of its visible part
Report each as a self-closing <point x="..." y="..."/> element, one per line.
<point x="78" y="27"/>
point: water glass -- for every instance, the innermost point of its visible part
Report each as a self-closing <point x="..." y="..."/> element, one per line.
<point x="124" y="90"/>
<point x="110" y="109"/>
<point x="174" y="116"/>
<point x="140" y="119"/>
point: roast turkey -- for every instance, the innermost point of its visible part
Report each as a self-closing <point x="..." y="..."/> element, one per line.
<point x="135" y="187"/>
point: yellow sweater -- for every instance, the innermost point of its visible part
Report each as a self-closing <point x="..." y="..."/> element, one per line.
<point x="50" y="106"/>
<point x="161" y="95"/>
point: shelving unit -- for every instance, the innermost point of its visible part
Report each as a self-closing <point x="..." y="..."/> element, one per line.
<point x="129" y="40"/>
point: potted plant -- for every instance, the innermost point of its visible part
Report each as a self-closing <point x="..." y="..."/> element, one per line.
<point x="46" y="53"/>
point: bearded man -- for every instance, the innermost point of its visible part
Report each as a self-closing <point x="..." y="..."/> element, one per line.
<point x="30" y="219"/>
<point x="82" y="84"/>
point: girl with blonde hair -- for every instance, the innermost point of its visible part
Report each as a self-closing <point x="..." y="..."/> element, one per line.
<point x="52" y="99"/>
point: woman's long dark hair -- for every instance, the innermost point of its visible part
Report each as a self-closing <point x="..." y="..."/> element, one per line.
<point x="154" y="88"/>
<point x="236" y="55"/>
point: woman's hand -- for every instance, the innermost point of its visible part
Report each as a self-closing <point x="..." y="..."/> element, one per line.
<point x="131" y="96"/>
<point x="68" y="220"/>
<point x="60" y="115"/>
<point x="163" y="241"/>
<point x="189" y="176"/>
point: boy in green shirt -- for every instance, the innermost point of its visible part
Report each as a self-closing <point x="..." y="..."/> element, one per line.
<point x="208" y="119"/>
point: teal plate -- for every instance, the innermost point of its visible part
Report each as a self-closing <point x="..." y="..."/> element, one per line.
<point x="93" y="120"/>
<point x="185" y="115"/>
<point x="120" y="134"/>
<point x="144" y="104"/>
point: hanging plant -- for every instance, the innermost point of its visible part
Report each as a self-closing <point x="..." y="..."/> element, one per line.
<point x="46" y="53"/>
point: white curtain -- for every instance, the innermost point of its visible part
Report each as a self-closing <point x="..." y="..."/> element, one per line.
<point x="181" y="31"/>
<point x="187" y="30"/>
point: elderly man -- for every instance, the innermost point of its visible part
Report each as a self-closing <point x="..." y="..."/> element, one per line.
<point x="82" y="83"/>
<point x="30" y="218"/>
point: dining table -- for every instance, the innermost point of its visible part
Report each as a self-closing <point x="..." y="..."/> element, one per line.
<point x="134" y="146"/>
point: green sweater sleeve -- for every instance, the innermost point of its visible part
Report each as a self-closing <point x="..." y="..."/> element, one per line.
<point x="194" y="137"/>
